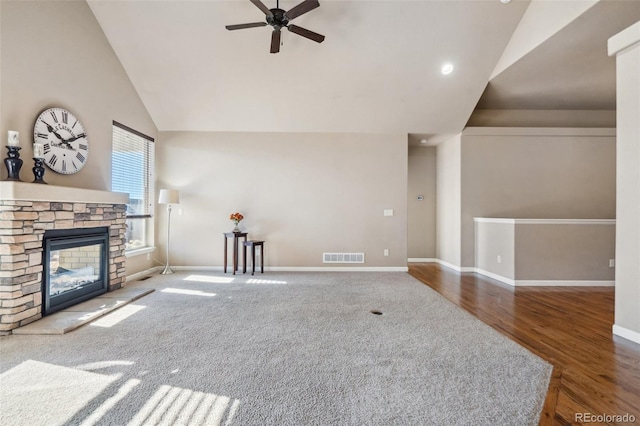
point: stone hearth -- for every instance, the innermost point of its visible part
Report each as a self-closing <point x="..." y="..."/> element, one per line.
<point x="26" y="211"/>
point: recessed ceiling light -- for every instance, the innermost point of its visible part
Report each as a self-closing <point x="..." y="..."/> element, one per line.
<point x="423" y="141"/>
<point x="505" y="1"/>
<point x="447" y="68"/>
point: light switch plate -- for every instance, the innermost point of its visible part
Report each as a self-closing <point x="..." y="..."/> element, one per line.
<point x="388" y="212"/>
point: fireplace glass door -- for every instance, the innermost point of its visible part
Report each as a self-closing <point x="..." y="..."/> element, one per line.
<point x="74" y="269"/>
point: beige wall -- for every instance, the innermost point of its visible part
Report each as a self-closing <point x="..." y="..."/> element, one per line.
<point x="493" y="240"/>
<point x="304" y="194"/>
<point x="541" y="118"/>
<point x="626" y="46"/>
<point x="564" y="252"/>
<point x="422" y="214"/>
<point x="55" y="54"/>
<point x="535" y="173"/>
<point x="448" y="208"/>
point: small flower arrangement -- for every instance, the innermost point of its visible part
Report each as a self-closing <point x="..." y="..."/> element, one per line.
<point x="236" y="218"/>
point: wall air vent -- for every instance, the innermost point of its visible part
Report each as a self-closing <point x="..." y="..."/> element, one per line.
<point x="343" y="258"/>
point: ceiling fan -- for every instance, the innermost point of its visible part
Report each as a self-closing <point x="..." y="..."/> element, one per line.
<point x="279" y="19"/>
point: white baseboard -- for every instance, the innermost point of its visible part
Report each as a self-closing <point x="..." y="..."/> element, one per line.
<point x="527" y="283"/>
<point x="337" y="268"/>
<point x="634" y="336"/>
<point x="450" y="265"/>
<point x="142" y="274"/>
<point x="495" y="276"/>
<point x="302" y="268"/>
<point x="422" y="260"/>
<point x="564" y="283"/>
<point x="200" y="268"/>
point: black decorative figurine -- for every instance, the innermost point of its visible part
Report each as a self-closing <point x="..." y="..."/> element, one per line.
<point x="38" y="170"/>
<point x="13" y="163"/>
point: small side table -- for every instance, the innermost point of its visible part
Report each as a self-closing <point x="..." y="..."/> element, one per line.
<point x="253" y="244"/>
<point x="236" y="236"/>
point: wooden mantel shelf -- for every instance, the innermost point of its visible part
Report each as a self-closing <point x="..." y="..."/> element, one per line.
<point x="22" y="191"/>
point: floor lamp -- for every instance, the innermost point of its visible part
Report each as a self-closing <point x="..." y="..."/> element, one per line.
<point x="168" y="197"/>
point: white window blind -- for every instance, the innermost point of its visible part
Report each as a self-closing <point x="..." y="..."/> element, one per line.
<point x="132" y="169"/>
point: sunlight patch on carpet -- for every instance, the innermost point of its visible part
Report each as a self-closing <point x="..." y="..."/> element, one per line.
<point x="188" y="292"/>
<point x="60" y="392"/>
<point x="117" y="316"/>
<point x="172" y="405"/>
<point x="208" y="279"/>
<point x="261" y="281"/>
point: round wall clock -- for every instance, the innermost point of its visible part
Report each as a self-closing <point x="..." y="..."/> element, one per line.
<point x="65" y="143"/>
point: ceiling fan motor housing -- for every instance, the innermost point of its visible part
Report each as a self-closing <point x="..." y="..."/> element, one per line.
<point x="278" y="20"/>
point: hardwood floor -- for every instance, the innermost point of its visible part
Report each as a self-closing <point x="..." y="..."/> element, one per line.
<point x="570" y="327"/>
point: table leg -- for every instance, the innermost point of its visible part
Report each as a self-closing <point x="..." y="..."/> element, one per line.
<point x="225" y="254"/>
<point x="244" y="259"/>
<point x="244" y="255"/>
<point x="235" y="254"/>
<point x="253" y="256"/>
<point x="262" y="259"/>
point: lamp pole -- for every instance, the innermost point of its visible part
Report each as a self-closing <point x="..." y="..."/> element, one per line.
<point x="168" y="197"/>
<point x="167" y="269"/>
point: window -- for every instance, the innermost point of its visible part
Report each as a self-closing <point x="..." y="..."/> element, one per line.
<point x="132" y="172"/>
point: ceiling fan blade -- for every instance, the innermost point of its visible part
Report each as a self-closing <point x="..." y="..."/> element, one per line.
<point x="243" y="26"/>
<point x="302" y="8"/>
<point x="319" y="38"/>
<point x="275" y="41"/>
<point x="262" y="7"/>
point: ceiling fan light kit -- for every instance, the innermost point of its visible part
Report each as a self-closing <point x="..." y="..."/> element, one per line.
<point x="279" y="19"/>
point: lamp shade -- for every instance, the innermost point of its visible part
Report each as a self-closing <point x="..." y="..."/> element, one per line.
<point x="169" y="196"/>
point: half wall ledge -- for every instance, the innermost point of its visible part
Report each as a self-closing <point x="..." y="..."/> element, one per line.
<point x="22" y="191"/>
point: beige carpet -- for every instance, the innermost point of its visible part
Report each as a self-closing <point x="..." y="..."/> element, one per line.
<point x="274" y="349"/>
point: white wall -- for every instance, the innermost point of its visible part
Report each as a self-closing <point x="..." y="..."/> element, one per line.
<point x="304" y="194"/>
<point x="626" y="46"/>
<point x="448" y="242"/>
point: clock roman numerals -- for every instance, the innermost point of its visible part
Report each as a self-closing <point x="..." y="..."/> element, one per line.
<point x="53" y="160"/>
<point x="46" y="148"/>
<point x="65" y="117"/>
<point x="80" y="157"/>
<point x="64" y="166"/>
<point x="53" y="114"/>
<point x="42" y="135"/>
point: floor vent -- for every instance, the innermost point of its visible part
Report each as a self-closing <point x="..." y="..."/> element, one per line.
<point x="343" y="258"/>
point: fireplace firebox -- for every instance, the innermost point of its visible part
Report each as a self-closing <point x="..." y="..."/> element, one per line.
<point x="75" y="266"/>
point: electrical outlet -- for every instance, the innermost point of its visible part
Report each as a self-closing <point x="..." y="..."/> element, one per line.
<point x="388" y="212"/>
<point x="499" y="259"/>
<point x="386" y="252"/>
<point x="612" y="263"/>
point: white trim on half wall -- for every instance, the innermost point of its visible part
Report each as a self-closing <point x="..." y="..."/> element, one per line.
<point x="634" y="336"/>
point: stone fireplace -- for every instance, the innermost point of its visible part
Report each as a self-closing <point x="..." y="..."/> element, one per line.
<point x="27" y="211"/>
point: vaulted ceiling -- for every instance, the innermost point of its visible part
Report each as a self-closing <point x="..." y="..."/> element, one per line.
<point x="378" y="70"/>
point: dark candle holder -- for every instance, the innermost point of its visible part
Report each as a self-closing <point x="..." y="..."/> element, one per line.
<point x="13" y="163"/>
<point x="38" y="170"/>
